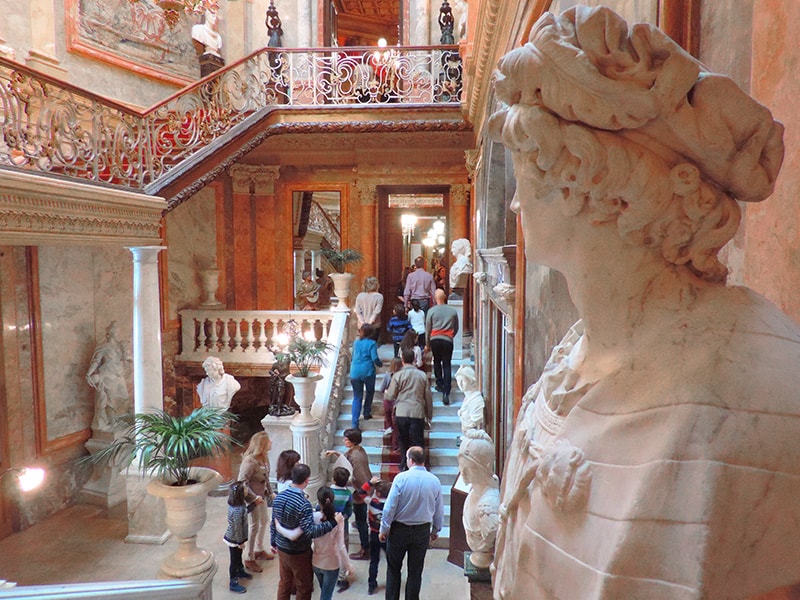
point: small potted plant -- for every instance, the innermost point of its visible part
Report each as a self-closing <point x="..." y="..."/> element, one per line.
<point x="165" y="446"/>
<point x="306" y="355"/>
<point x="341" y="280"/>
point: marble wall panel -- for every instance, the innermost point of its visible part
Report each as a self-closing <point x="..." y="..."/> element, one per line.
<point x="191" y="247"/>
<point x="66" y="296"/>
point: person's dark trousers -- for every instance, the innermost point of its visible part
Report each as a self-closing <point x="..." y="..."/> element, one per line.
<point x="424" y="304"/>
<point x="442" y="356"/>
<point x="412" y="433"/>
<point x="236" y="562"/>
<point x="421" y="340"/>
<point x="375" y="546"/>
<point x="295" y="571"/>
<point x="360" y="513"/>
<point x="406" y="539"/>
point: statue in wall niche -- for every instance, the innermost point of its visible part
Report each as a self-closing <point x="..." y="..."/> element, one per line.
<point x="462" y="267"/>
<point x="208" y="43"/>
<point x="106" y="374"/>
<point x="307" y="297"/>
<point x="657" y="455"/>
<point x="471" y="411"/>
<point x="481" y="516"/>
<point x="216" y="390"/>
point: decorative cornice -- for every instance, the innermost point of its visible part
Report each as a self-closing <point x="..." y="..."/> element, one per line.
<point x="262" y="178"/>
<point x="330" y="127"/>
<point x="38" y="210"/>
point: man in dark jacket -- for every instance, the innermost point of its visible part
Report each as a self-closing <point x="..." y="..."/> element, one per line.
<point x="292" y="509"/>
<point x="441" y="326"/>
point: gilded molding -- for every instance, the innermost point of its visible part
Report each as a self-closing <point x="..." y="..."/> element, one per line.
<point x="262" y="178"/>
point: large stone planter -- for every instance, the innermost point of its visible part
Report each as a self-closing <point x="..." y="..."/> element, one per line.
<point x="305" y="389"/>
<point x="341" y="289"/>
<point x="186" y="514"/>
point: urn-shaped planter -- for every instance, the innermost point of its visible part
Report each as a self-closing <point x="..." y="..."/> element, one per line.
<point x="305" y="389"/>
<point x="341" y="289"/>
<point x="186" y="514"/>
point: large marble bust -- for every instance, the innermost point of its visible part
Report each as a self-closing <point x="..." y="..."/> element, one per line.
<point x="481" y="508"/>
<point x="657" y="457"/>
<point x="462" y="267"/>
<point x="471" y="411"/>
<point x="218" y="387"/>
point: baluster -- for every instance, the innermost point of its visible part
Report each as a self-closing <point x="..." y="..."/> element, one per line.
<point x="237" y="335"/>
<point x="262" y="336"/>
<point x="212" y="347"/>
<point x="251" y="338"/>
<point x="226" y="336"/>
<point x="200" y="340"/>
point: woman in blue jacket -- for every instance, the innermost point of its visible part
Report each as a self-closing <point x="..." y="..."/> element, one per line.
<point x="362" y="372"/>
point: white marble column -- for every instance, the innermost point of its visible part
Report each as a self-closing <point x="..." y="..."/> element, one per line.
<point x="148" y="389"/>
<point x="146" y="513"/>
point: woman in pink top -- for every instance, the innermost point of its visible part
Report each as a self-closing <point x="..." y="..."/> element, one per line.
<point x="330" y="553"/>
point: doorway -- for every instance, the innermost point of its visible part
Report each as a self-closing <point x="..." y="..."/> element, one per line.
<point x="362" y="22"/>
<point x="412" y="221"/>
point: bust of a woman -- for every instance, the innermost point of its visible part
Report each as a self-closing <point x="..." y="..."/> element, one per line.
<point x="218" y="388"/>
<point x="657" y="455"/>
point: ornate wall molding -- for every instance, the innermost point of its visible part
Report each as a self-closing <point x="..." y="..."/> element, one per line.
<point x="367" y="192"/>
<point x="473" y="160"/>
<point x="38" y="210"/>
<point x="262" y="178"/>
<point x="459" y="194"/>
<point x="329" y="127"/>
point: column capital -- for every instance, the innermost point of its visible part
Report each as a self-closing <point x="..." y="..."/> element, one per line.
<point x="262" y="178"/>
<point x="146" y="254"/>
<point x="367" y="192"/>
<point x="459" y="194"/>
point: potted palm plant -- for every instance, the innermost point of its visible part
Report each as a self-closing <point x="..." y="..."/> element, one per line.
<point x="165" y="447"/>
<point x="341" y="280"/>
<point x="306" y="355"/>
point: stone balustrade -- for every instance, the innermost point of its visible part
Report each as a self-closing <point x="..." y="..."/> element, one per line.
<point x="246" y="336"/>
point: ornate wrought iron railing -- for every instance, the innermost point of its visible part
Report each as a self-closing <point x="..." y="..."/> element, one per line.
<point x="53" y="127"/>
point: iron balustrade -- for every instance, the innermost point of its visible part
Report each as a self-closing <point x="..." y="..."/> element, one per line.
<point x="51" y="126"/>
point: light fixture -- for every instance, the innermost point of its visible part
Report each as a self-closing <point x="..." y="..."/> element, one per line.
<point x="429" y="242"/>
<point x="438" y="227"/>
<point x="381" y="42"/>
<point x="408" y="221"/>
<point x="440" y="239"/>
<point x="28" y="478"/>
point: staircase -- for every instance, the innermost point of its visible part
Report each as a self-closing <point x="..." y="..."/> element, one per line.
<point x="441" y="441"/>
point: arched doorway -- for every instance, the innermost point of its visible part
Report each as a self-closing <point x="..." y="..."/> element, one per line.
<point x="362" y="22"/>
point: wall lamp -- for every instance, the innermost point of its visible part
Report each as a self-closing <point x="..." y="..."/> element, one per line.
<point x="28" y="478"/>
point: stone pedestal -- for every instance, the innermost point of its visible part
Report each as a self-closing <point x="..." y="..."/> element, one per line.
<point x="106" y="487"/>
<point x="279" y="434"/>
<point x="205" y="580"/>
<point x="480" y="580"/>
<point x="457" y="302"/>
<point x="146" y="513"/>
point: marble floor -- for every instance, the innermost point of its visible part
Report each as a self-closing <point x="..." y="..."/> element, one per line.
<point x="84" y="543"/>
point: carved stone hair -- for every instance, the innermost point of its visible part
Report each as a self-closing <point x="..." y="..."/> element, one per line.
<point x="626" y="124"/>
<point x="213" y="361"/>
<point x="460" y="246"/>
<point x="478" y="448"/>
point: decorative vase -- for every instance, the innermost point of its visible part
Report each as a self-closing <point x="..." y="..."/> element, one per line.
<point x="304" y="391"/>
<point x="341" y="289"/>
<point x="186" y="514"/>
<point x="210" y="279"/>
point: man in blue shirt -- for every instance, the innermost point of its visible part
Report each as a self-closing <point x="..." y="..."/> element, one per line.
<point x="412" y="519"/>
<point x="292" y="509"/>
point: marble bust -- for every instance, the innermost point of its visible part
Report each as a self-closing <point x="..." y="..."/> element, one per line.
<point x="106" y="374"/>
<point x="657" y="455"/>
<point x="218" y="387"/>
<point x="481" y="508"/>
<point x="462" y="267"/>
<point x="207" y="38"/>
<point x="471" y="411"/>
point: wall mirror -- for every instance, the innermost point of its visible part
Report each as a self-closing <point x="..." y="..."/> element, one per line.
<point x="316" y="225"/>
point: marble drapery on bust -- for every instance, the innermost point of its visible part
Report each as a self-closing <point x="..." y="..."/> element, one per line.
<point x="481" y="509"/>
<point x="471" y="411"/>
<point x="218" y="387"/>
<point x="657" y="455"/>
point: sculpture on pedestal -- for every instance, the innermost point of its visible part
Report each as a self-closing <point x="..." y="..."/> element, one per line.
<point x="481" y="516"/>
<point x="307" y="297"/>
<point x="208" y="44"/>
<point x="218" y="388"/>
<point x="280" y="391"/>
<point x="657" y="455"/>
<point x="462" y="267"/>
<point x="106" y="374"/>
<point x="471" y="411"/>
